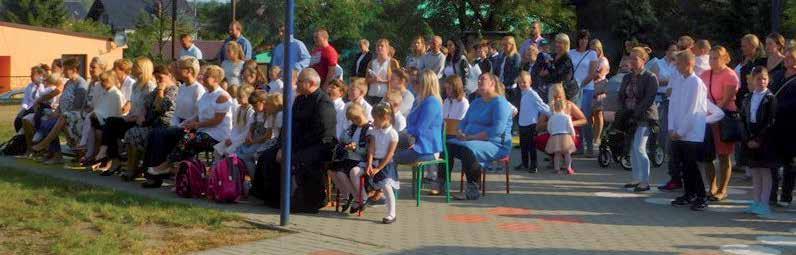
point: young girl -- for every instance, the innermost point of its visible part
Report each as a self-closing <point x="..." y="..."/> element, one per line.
<point x="561" y="131"/>
<point x="249" y="78"/>
<point x="264" y="110"/>
<point x="395" y="101"/>
<point x="757" y="111"/>
<point x="242" y="119"/>
<point x="355" y="145"/>
<point x="380" y="167"/>
<point x="276" y="85"/>
<point x="455" y="105"/>
<point x="336" y="91"/>
<point x="356" y="95"/>
<point x="233" y="64"/>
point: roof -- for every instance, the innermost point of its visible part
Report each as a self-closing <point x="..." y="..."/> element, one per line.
<point x="53" y="30"/>
<point x="75" y="9"/>
<point x="123" y="14"/>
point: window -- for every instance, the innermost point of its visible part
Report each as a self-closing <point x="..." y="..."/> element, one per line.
<point x="81" y="60"/>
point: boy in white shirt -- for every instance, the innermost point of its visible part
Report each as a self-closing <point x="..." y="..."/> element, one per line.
<point x="336" y="91"/>
<point x="531" y="106"/>
<point x="356" y="95"/>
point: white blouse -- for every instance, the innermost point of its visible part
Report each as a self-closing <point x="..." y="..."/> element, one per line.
<point x="400" y="121"/>
<point x="138" y="98"/>
<point x="240" y="132"/>
<point x="274" y="122"/>
<point x="109" y="103"/>
<point x="185" y="107"/>
<point x="379" y="70"/>
<point x="383" y="138"/>
<point x="339" y="108"/>
<point x="455" y="109"/>
<point x="207" y="110"/>
<point x="127" y="88"/>
<point x="560" y="123"/>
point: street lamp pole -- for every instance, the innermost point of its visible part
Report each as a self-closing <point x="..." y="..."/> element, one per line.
<point x="287" y="116"/>
<point x="776" y="15"/>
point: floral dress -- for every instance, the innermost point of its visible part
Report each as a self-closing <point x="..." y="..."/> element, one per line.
<point x="158" y="115"/>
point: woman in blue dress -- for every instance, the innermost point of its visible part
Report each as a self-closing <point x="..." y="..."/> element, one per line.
<point x="484" y="133"/>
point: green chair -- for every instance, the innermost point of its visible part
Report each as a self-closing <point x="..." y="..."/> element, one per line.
<point x="419" y="169"/>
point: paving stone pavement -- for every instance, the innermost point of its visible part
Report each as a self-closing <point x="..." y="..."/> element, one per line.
<point x="588" y="213"/>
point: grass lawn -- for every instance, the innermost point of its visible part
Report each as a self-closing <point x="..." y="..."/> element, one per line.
<point x="44" y="215"/>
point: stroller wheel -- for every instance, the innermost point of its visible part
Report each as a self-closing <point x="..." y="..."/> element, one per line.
<point x="658" y="156"/>
<point x="604" y="158"/>
<point x="625" y="162"/>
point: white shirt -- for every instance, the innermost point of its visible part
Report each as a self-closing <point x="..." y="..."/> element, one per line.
<point x="400" y="121"/>
<point x="702" y="64"/>
<point x="531" y="105"/>
<point x="602" y="64"/>
<point x="560" y="123"/>
<point x="185" y="106"/>
<point x="378" y="70"/>
<point x="471" y="83"/>
<point x="365" y="106"/>
<point x="240" y="132"/>
<point x="138" y="98"/>
<point x="192" y="51"/>
<point x="757" y="98"/>
<point x="339" y="108"/>
<point x="274" y="122"/>
<point x="207" y="110"/>
<point x="232" y="71"/>
<point x="455" y="109"/>
<point x="666" y="70"/>
<point x="582" y="70"/>
<point x="109" y="104"/>
<point x="276" y="86"/>
<point x="32" y="91"/>
<point x="382" y="139"/>
<point x="407" y="101"/>
<point x="690" y="109"/>
<point x="127" y="88"/>
<point x="95" y="92"/>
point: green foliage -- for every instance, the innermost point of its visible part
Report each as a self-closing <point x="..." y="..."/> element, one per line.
<point x="44" y="13"/>
<point x="87" y="26"/>
<point x="151" y="33"/>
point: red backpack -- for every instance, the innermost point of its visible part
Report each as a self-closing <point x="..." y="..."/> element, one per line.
<point x="227" y="180"/>
<point x="191" y="180"/>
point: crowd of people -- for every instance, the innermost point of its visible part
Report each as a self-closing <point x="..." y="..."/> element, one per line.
<point x="470" y="100"/>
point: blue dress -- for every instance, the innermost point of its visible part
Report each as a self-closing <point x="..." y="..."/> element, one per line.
<point x="494" y="118"/>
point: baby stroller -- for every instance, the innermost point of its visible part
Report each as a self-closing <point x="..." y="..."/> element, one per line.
<point x="614" y="142"/>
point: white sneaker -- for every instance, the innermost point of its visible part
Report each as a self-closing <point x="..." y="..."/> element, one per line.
<point x="153" y="171"/>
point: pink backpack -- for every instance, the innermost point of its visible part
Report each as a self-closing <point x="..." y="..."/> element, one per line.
<point x="226" y="183"/>
<point x="191" y="180"/>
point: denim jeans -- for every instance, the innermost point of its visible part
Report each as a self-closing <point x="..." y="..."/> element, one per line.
<point x="638" y="156"/>
<point x="587" y="137"/>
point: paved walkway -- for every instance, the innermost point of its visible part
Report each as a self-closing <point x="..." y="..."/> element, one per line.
<point x="545" y="214"/>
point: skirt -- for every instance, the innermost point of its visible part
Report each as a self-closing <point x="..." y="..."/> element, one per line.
<point x="137" y="137"/>
<point x="74" y="124"/>
<point x="387" y="176"/>
<point x="560" y="143"/>
<point x="722" y="148"/>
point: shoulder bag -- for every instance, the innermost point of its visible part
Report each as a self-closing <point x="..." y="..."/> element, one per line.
<point x="730" y="126"/>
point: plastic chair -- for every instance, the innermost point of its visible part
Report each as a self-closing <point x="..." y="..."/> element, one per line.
<point x="419" y="169"/>
<point x="505" y="162"/>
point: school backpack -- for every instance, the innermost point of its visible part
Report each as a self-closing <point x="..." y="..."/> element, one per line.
<point x="15" y="146"/>
<point x="191" y="180"/>
<point x="227" y="180"/>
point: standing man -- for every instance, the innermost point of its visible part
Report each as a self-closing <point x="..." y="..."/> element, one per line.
<point x="236" y="34"/>
<point x="188" y="48"/>
<point x="434" y="59"/>
<point x="324" y="57"/>
<point x="535" y="37"/>
<point x="360" y="68"/>
<point x="299" y="53"/>
<point x="495" y="57"/>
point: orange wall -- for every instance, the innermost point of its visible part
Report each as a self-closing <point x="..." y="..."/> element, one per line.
<point x="31" y="47"/>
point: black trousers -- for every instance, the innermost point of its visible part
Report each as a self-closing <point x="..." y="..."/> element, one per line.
<point x="373" y="100"/>
<point x="470" y="166"/>
<point x="788" y="177"/>
<point x="112" y="132"/>
<point x="310" y="191"/>
<point x="161" y="142"/>
<point x="684" y="156"/>
<point x="527" y="146"/>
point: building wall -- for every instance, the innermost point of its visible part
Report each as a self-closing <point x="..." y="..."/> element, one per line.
<point x="28" y="47"/>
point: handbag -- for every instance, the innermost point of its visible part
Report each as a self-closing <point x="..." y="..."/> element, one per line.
<point x="730" y="126"/>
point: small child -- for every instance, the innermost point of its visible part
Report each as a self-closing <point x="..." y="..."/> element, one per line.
<point x="531" y="106"/>
<point x="354" y="145"/>
<point x="242" y="119"/>
<point x="380" y="167"/>
<point x="336" y="91"/>
<point x="267" y="119"/>
<point x="249" y="78"/>
<point x="395" y="99"/>
<point x="561" y="131"/>
<point x="356" y="95"/>
<point x="756" y="156"/>
<point x="275" y="85"/>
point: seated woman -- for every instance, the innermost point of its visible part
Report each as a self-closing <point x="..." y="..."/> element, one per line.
<point x="86" y="147"/>
<point x="484" y="133"/>
<point x="159" y="109"/>
<point x="108" y="104"/>
<point x="68" y="117"/>
<point x="212" y="125"/>
<point x="116" y="128"/>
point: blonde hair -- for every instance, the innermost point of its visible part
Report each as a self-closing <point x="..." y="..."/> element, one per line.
<point x="641" y="52"/>
<point x="108" y="76"/>
<point x="124" y="65"/>
<point x="597" y="46"/>
<point x="274" y="101"/>
<point x="244" y="92"/>
<point x="557" y="95"/>
<point x="258" y="96"/>
<point x="724" y="56"/>
<point x="456" y="85"/>
<point x="429" y="85"/>
<point x="510" y="40"/>
<point x="754" y="41"/>
<point x="235" y="48"/>
<point x="146" y="68"/>
<point x="215" y="72"/>
<point x="361" y="84"/>
<point x="564" y="38"/>
<point x="382" y="110"/>
<point x="354" y="110"/>
<point x="189" y="63"/>
<point x="395" y="98"/>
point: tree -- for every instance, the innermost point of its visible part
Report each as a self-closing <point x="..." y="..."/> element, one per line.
<point x="153" y="30"/>
<point x="88" y="26"/>
<point x="43" y="13"/>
